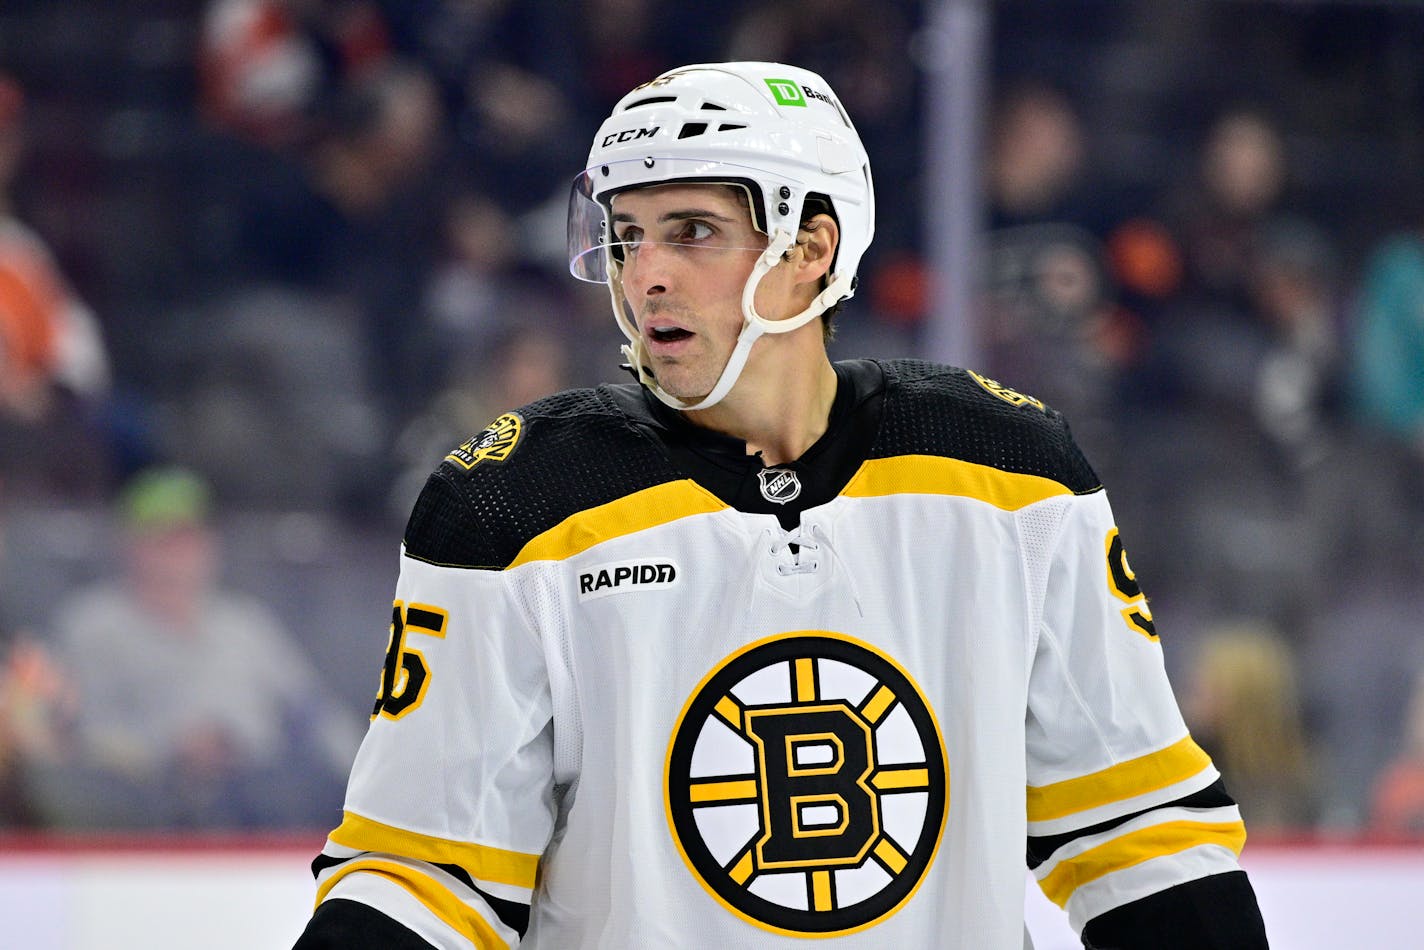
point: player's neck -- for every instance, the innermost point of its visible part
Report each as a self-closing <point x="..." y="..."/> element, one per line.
<point x="779" y="407"/>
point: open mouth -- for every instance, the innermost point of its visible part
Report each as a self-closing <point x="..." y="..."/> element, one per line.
<point x="669" y="334"/>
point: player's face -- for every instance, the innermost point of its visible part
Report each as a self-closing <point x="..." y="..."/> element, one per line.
<point x="689" y="250"/>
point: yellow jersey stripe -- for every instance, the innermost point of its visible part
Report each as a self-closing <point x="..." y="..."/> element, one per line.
<point x="481" y="861"/>
<point x="461" y="917"/>
<point x="630" y="514"/>
<point x="1147" y="773"/>
<point x="1134" y="848"/>
<point x="935" y="475"/>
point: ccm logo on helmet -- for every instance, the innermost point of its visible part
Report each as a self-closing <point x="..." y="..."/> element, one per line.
<point x="622" y="576"/>
<point x="629" y="135"/>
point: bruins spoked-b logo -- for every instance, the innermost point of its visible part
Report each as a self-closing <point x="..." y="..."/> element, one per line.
<point x="806" y="785"/>
<point x="494" y="444"/>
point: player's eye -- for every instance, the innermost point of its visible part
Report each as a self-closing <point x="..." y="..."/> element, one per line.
<point x="630" y="238"/>
<point x="695" y="231"/>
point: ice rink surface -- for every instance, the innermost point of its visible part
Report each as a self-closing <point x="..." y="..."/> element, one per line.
<point x="164" y="895"/>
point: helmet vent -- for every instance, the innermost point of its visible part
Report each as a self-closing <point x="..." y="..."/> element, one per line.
<point x="692" y="128"/>
<point x="713" y="107"/>
<point x="729" y="127"/>
<point x="650" y="101"/>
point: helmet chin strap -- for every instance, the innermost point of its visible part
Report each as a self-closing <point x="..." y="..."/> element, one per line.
<point x="753" y="326"/>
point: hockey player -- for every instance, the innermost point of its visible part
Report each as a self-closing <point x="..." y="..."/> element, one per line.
<point x="765" y="647"/>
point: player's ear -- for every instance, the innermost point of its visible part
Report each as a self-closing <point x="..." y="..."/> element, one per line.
<point x="815" y="248"/>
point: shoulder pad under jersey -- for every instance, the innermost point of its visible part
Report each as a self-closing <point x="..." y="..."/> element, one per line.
<point x="932" y="409"/>
<point x="529" y="470"/>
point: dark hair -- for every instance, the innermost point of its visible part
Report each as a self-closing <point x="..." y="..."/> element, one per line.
<point x="815" y="204"/>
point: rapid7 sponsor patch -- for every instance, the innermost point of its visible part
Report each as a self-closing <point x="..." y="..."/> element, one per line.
<point x="622" y="576"/>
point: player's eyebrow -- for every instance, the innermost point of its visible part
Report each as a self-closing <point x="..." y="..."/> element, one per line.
<point x="623" y="217"/>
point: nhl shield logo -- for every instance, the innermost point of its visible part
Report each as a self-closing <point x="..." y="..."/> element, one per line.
<point x="779" y="485"/>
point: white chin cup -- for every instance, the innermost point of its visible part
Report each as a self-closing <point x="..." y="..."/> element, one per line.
<point x="753" y="325"/>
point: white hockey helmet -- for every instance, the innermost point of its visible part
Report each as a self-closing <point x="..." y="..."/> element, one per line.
<point x="776" y="130"/>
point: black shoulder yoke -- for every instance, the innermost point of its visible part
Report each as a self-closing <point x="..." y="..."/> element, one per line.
<point x="931" y="409"/>
<point x="522" y="476"/>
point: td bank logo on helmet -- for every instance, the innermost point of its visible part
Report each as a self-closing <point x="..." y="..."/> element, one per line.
<point x="787" y="92"/>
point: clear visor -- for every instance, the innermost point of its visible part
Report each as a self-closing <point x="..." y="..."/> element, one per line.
<point x="594" y="241"/>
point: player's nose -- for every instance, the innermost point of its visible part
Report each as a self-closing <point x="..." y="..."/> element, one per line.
<point x="649" y="272"/>
<point x="645" y="277"/>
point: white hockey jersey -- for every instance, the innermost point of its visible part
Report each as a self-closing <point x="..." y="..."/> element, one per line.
<point x="642" y="693"/>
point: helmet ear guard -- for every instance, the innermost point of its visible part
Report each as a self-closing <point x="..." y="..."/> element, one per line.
<point x="776" y="130"/>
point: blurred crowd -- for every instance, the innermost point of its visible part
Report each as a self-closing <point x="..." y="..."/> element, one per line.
<point x="263" y="262"/>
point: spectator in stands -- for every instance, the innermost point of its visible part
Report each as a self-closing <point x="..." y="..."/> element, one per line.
<point x="194" y="709"/>
<point x="1240" y="185"/>
<point x="1387" y="388"/>
<point x="1304" y="454"/>
<point x="265" y="64"/>
<point x="1294" y="286"/>
<point x="1048" y="299"/>
<point x="1035" y="167"/>
<point x="32" y="694"/>
<point x="1203" y="322"/>
<point x="1397" y="805"/>
<point x="54" y="368"/>
<point x="473" y="288"/>
<point x="1207" y="334"/>
<point x="272" y="73"/>
<point x="1238" y="372"/>
<point x="514" y="123"/>
<point x="49" y="340"/>
<point x="34" y="698"/>
<point x="378" y="164"/>
<point x="1389" y="351"/>
<point x="1243" y="704"/>
<point x="341" y="226"/>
